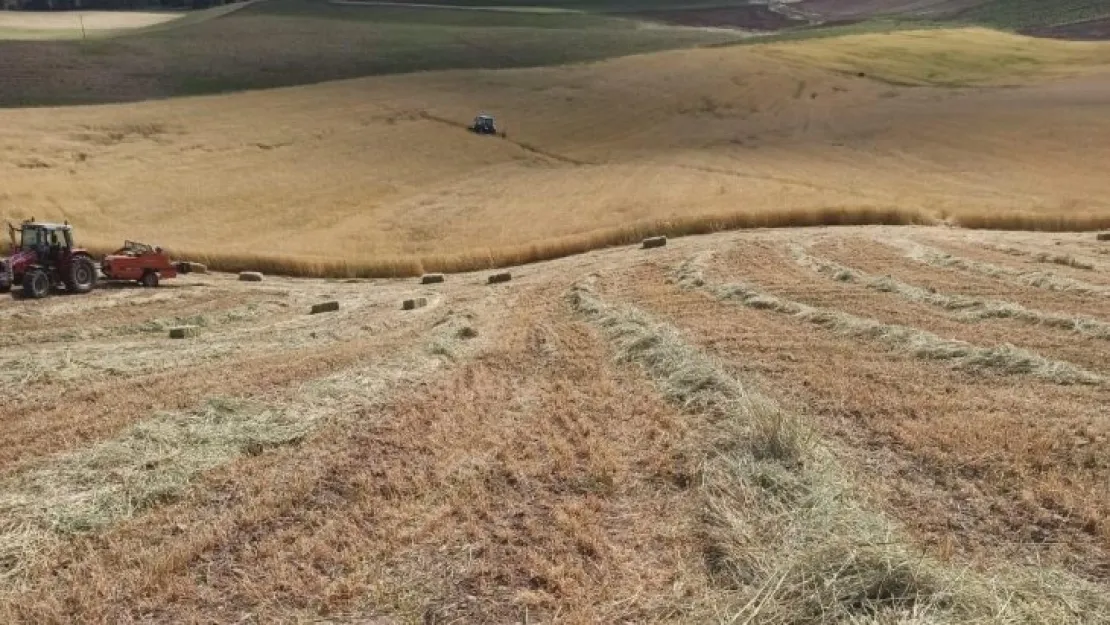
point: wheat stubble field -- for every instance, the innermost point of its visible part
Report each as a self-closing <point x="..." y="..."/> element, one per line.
<point x="808" y="425"/>
<point x="889" y="407"/>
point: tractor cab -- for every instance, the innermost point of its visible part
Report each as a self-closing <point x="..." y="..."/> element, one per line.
<point x="42" y="238"/>
<point x="484" y="125"/>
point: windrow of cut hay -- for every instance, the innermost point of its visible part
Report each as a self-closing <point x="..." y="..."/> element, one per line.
<point x="1038" y="279"/>
<point x="967" y="308"/>
<point x="153" y="461"/>
<point x="785" y="529"/>
<point x="1003" y="359"/>
<point x="1064" y="260"/>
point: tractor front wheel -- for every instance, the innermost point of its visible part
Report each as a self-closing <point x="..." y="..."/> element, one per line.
<point x="82" y="275"/>
<point x="36" y="284"/>
<point x="150" y="279"/>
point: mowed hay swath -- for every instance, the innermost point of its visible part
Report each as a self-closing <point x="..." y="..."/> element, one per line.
<point x="785" y="526"/>
<point x="1003" y="359"/>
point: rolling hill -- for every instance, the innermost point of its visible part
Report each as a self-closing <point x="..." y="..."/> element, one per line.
<point x="381" y="169"/>
<point x="881" y="400"/>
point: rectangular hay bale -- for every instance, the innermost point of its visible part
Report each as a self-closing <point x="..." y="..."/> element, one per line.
<point x="323" y="307"/>
<point x="497" y="278"/>
<point x="1103" y="236"/>
<point x="652" y="242"/>
<point x="432" y="278"/>
<point x="250" y="276"/>
<point x="413" y="304"/>
<point x="184" y="332"/>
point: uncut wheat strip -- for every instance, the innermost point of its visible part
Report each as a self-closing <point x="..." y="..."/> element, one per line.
<point x="1004" y="359"/>
<point x="785" y="526"/>
<point x="156" y="459"/>
<point x="967" y="308"/>
<point x="1038" y="279"/>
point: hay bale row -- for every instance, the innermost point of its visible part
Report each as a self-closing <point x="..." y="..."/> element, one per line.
<point x="413" y="304"/>
<point x="324" y="307"/>
<point x="250" y="276"/>
<point x="500" y="277"/>
<point x="432" y="278"/>
<point x="651" y="242"/>
<point x="184" y="332"/>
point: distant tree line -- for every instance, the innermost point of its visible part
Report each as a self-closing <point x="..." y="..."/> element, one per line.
<point x="108" y="5"/>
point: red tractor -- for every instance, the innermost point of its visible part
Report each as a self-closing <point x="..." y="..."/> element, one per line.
<point x="43" y="258"/>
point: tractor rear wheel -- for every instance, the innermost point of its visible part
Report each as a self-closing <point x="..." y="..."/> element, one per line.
<point x="150" y="279"/>
<point x="82" y="275"/>
<point x="36" y="284"/>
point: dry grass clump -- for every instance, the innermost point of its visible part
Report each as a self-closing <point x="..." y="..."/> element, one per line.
<point x="969" y="308"/>
<point x="785" y="530"/>
<point x="1040" y="280"/>
<point x="1035" y="222"/>
<point x="1004" y="359"/>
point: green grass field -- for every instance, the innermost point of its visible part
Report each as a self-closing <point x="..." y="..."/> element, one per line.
<point x="290" y="42"/>
<point x="1018" y="14"/>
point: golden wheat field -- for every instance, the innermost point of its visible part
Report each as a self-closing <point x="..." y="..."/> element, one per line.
<point x="865" y="380"/>
<point x="864" y="424"/>
<point x="381" y="171"/>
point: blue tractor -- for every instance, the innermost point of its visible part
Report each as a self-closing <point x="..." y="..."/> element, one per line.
<point x="484" y="125"/>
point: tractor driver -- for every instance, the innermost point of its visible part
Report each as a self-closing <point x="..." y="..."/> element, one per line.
<point x="55" y="245"/>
